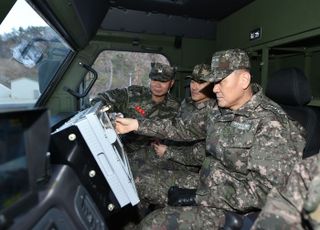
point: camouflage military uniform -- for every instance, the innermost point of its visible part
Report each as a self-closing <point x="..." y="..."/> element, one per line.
<point x="190" y="153"/>
<point x="154" y="180"/>
<point x="297" y="205"/>
<point x="251" y="149"/>
<point x="181" y="162"/>
<point x="136" y="102"/>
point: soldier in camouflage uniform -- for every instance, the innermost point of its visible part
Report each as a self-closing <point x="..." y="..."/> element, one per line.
<point x="178" y="164"/>
<point x="297" y="205"/>
<point x="142" y="102"/>
<point x="252" y="145"/>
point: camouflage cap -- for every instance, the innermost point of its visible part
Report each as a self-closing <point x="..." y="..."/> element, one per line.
<point x="161" y="72"/>
<point x="199" y="71"/>
<point x="225" y="62"/>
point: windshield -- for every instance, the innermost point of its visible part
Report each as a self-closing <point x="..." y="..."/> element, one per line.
<point x="31" y="53"/>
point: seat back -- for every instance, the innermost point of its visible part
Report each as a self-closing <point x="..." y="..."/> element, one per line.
<point x="291" y="90"/>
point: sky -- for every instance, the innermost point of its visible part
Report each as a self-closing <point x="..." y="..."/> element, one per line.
<point x="21" y="15"/>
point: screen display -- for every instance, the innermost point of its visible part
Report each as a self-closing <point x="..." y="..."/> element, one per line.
<point x="14" y="178"/>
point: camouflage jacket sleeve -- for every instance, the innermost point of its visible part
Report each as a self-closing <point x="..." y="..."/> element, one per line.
<point x="188" y="154"/>
<point x="284" y="206"/>
<point x="176" y="129"/>
<point x="116" y="98"/>
<point x="266" y="161"/>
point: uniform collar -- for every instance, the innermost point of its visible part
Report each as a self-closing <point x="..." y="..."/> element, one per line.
<point x="200" y="105"/>
<point x="164" y="102"/>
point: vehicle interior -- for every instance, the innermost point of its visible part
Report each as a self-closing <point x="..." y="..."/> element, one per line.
<point x="56" y="56"/>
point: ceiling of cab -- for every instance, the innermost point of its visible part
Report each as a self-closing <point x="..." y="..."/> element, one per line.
<point x="184" y="18"/>
<point x="214" y="10"/>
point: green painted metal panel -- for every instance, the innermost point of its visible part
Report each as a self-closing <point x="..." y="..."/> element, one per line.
<point x="277" y="19"/>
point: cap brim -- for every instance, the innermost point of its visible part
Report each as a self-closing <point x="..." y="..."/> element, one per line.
<point x="194" y="78"/>
<point x="160" y="78"/>
<point x="216" y="75"/>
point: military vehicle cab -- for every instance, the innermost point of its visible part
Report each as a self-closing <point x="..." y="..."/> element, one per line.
<point x="62" y="165"/>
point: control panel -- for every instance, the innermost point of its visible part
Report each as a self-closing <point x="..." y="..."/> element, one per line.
<point x="90" y="132"/>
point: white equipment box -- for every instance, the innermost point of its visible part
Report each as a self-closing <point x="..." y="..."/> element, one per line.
<point x="107" y="149"/>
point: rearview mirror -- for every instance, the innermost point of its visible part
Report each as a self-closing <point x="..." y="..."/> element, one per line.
<point x="29" y="53"/>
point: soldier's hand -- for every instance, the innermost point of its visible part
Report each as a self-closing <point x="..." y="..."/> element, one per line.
<point x="312" y="202"/>
<point x="160" y="149"/>
<point x="181" y="196"/>
<point x="126" y="125"/>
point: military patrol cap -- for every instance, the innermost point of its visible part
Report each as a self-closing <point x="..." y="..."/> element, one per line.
<point x="199" y="71"/>
<point x="225" y="62"/>
<point x="161" y="72"/>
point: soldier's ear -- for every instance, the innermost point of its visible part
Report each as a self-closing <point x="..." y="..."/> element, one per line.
<point x="245" y="79"/>
<point x="171" y="83"/>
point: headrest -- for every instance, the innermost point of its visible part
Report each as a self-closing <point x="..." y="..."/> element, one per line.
<point x="289" y="87"/>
